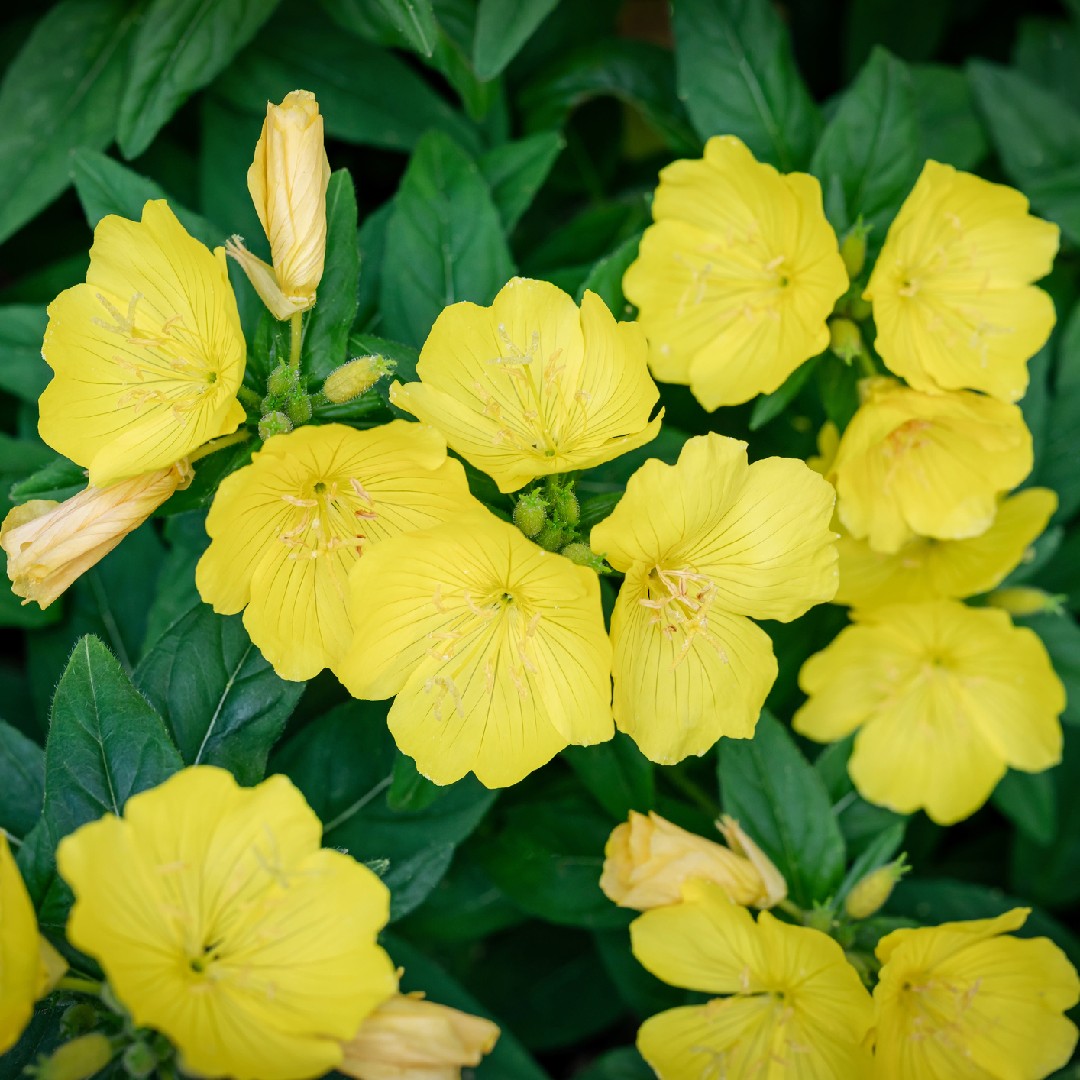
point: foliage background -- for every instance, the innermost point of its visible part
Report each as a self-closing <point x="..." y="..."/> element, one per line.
<point x="484" y="139"/>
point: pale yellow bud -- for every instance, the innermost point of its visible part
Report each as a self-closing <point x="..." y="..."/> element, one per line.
<point x="1024" y="601"/>
<point x="49" y="544"/>
<point x="76" y="1060"/>
<point x="354" y="378"/>
<point x="648" y="859"/>
<point x="288" y="181"/>
<point x="408" y="1038"/>
<point x="870" y="894"/>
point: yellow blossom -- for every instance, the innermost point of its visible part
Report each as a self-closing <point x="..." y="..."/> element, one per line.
<point x="288" y="180"/>
<point x="408" y="1038"/>
<point x="287" y="529"/>
<point x="29" y="966"/>
<point x="649" y="859"/>
<point x="737" y="276"/>
<point x="495" y="649"/>
<point x="953" y="301"/>
<point x="220" y="921"/>
<point x="49" y="544"/>
<point x="705" y="545"/>
<point x="147" y="354"/>
<point x="914" y="464"/>
<point x="532" y="386"/>
<point x="794" y="1007"/>
<point x="966" y="999"/>
<point x="944" y="697"/>
<point x="928" y="569"/>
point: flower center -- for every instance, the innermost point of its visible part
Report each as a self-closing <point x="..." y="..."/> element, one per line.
<point x="328" y="516"/>
<point x="679" y="601"/>
<point x="936" y="1009"/>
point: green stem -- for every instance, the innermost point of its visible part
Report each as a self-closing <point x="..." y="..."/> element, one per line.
<point x="296" y="325"/>
<point x="80" y="985"/>
<point x="866" y="365"/>
<point x="248" y="397"/>
<point x="11" y="838"/>
<point x="793" y="910"/>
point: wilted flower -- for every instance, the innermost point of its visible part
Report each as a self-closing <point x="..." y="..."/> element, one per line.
<point x="532" y="386"/>
<point x="965" y="999"/>
<point x="495" y="649"/>
<point x="288" y="181"/>
<point x="49" y="544"/>
<point x="953" y="301"/>
<point x="944" y="698"/>
<point x="220" y="921"/>
<point x="147" y="354"/>
<point x="705" y="545"/>
<point x="737" y="276"/>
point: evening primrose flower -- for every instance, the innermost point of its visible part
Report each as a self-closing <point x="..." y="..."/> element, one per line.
<point x="706" y="544"/>
<point x="49" y="544"/>
<point x="953" y="301"/>
<point x="647" y="860"/>
<point x="794" y="1007"/>
<point x="928" y="569"/>
<point x="533" y="386"/>
<point x="147" y="354"/>
<point x="737" y="276"/>
<point x="220" y="921"/>
<point x="944" y="697"/>
<point x="408" y="1038"/>
<point x="966" y="999"/>
<point x="288" y="180"/>
<point x="914" y="464"/>
<point x="495" y="649"/>
<point x="287" y="528"/>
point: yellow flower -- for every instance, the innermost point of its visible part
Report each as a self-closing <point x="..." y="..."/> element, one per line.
<point x="795" y="1006"/>
<point x="914" y="464"/>
<point x="495" y="648"/>
<point x="49" y="544"/>
<point x="953" y="301"/>
<point x="219" y="921"/>
<point x="705" y="544"/>
<point x="648" y="860"/>
<point x="29" y="966"/>
<point x="736" y="277"/>
<point x="927" y="569"/>
<point x="408" y="1038"/>
<point x="287" y="529"/>
<point x="944" y="697"/>
<point x="288" y="181"/>
<point x="147" y="354"/>
<point x="964" y="999"/>
<point x="531" y="386"/>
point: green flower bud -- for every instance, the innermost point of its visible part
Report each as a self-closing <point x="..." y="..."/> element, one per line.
<point x="281" y="381"/>
<point x="551" y="537"/>
<point x="530" y="513"/>
<point x="567" y="506"/>
<point x="79" y="1018"/>
<point x="274" y="423"/>
<point x="580" y="553"/>
<point x="357" y="376"/>
<point x="76" y="1060"/>
<point x="845" y="340"/>
<point x="853" y="249"/>
<point x="298" y="408"/>
<point x="1025" y="601"/>
<point x="139" y="1061"/>
<point x="859" y="309"/>
<point x="870" y="894"/>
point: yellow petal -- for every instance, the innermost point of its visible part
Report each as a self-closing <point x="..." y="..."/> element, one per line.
<point x="20" y="964"/>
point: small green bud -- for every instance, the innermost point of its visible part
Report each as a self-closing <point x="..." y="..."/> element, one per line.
<point x="79" y="1018"/>
<point x="853" y="249"/>
<point x="551" y="537"/>
<point x="274" y="423"/>
<point x="581" y="554"/>
<point x="281" y="381"/>
<point x="530" y="513"/>
<point x="870" y="894"/>
<point x="1022" y="601"/>
<point x="845" y="340"/>
<point x="76" y="1060"/>
<point x="298" y="408"/>
<point x="139" y="1061"/>
<point x="567" y="506"/>
<point x="859" y="309"/>
<point x="357" y="376"/>
<point x="271" y="403"/>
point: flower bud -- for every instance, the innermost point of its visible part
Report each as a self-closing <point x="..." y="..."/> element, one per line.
<point x="298" y="408"/>
<point x="530" y="513"/>
<point x="139" y="1061"/>
<point x="853" y="249"/>
<point x="859" y="309"/>
<point x="288" y="180"/>
<point x="741" y="844"/>
<point x="274" y="423"/>
<point x="1024" y="600"/>
<point x="357" y="376"/>
<point x="551" y="537"/>
<point x="49" y="544"/>
<point x="870" y="894"/>
<point x="281" y="381"/>
<point x="648" y="859"/>
<point x="845" y="340"/>
<point x="567" y="506"/>
<point x="408" y="1038"/>
<point x="79" y="1018"/>
<point x="76" y="1060"/>
<point x="581" y="554"/>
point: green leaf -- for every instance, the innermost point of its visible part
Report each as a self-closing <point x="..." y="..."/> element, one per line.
<point x="59" y="92"/>
<point x="769" y="406"/>
<point x="1048" y="52"/>
<point x="180" y="47"/>
<point x="1028" y="800"/>
<point x="502" y="27"/>
<point x="1037" y="137"/>
<point x="59" y="480"/>
<point x="1056" y="463"/>
<point x="416" y="21"/>
<point x="780" y="800"/>
<point x="515" y="172"/>
<point x="624" y="1064"/>
<point x="22" y="781"/>
<point x="22" y="371"/>
<point x="606" y="276"/>
<point x="326" y="333"/>
<point x="446" y="237"/>
<point x="229" y="707"/>
<point x="21" y="458"/>
<point x="408" y="789"/>
<point x="876" y="854"/>
<point x="948" y="121"/>
<point x="737" y="75"/>
<point x="869" y="155"/>
<point x="411" y="880"/>
<point x="616" y="774"/>
<point x="105" y="187"/>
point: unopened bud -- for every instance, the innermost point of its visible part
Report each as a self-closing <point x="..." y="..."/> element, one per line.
<point x="298" y="408"/>
<point x="139" y="1061"/>
<point x="354" y="378"/>
<point x="530" y="513"/>
<point x="870" y="894"/>
<point x="551" y="537"/>
<point x="78" y="1018"/>
<point x="853" y="249"/>
<point x="281" y="380"/>
<point x="581" y="554"/>
<point x="1025" y="600"/>
<point x="76" y="1060"/>
<point x="845" y="339"/>
<point x="274" y="423"/>
<point x="567" y="506"/>
<point x="859" y="309"/>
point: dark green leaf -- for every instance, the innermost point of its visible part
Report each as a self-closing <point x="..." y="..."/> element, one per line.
<point x="59" y="479"/>
<point x="948" y="122"/>
<point x="624" y="1064"/>
<point x="737" y="76"/>
<point x="876" y="854"/>
<point x="1028" y="800"/>
<point x="502" y="27"/>
<point x="1048" y="52"/>
<point x="14" y="613"/>
<point x="228" y="136"/>
<point x="605" y="278"/>
<point x="22" y="781"/>
<point x="446" y="239"/>
<point x="775" y="794"/>
<point x="181" y="46"/>
<point x="410" y="880"/>
<point x="59" y="93"/>
<point x="42" y="1035"/>
<point x="22" y="371"/>
<point x="870" y="150"/>
<point x="416" y="21"/>
<point x="209" y="472"/>
<point x="911" y="28"/>
<point x="227" y="708"/>
<point x="1057" y="461"/>
<point x="769" y="406"/>
<point x="372" y="242"/>
<point x="616" y="774"/>
<point x="21" y="458"/>
<point x="515" y="171"/>
<point x="408" y="789"/>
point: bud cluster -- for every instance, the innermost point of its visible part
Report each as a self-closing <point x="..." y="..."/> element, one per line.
<point x="549" y="514"/>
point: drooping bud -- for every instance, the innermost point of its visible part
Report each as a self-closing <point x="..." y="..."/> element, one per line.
<point x="853" y="249"/>
<point x="870" y="894"/>
<point x="76" y="1060"/>
<point x="274" y="423"/>
<point x="530" y="513"/>
<point x="1025" y="600"/>
<point x="845" y="340"/>
<point x="356" y="377"/>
